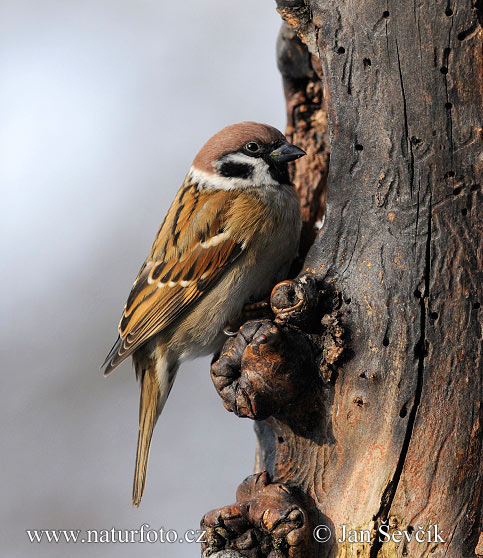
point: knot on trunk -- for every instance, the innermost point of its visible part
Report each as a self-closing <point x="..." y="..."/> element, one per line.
<point x="294" y="302"/>
<point x="267" y="520"/>
<point x="263" y="369"/>
<point x="272" y="367"/>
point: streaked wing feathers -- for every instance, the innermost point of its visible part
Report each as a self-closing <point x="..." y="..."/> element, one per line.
<point x="192" y="249"/>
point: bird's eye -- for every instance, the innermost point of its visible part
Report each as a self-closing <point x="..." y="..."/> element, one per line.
<point x="252" y="147"/>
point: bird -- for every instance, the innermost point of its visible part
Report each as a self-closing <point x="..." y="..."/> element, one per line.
<point x="230" y="234"/>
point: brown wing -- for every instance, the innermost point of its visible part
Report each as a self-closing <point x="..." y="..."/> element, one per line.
<point x="195" y="245"/>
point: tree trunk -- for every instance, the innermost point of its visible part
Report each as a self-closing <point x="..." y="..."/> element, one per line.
<point x="398" y="437"/>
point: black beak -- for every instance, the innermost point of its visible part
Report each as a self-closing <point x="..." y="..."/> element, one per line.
<point x="287" y="152"/>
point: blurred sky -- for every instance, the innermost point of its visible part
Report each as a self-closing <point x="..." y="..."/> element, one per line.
<point x="103" y="105"/>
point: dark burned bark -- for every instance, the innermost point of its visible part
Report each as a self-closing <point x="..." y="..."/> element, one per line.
<point x="390" y="429"/>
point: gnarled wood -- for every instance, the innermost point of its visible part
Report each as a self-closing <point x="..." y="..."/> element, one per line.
<point x="402" y="82"/>
<point x="268" y="519"/>
<point x="392" y="433"/>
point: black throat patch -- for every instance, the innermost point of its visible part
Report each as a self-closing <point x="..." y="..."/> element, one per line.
<point x="279" y="173"/>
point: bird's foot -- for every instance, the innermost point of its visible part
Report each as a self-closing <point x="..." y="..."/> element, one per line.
<point x="250" y="311"/>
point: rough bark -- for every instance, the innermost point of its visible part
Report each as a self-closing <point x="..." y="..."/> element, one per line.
<point x="393" y="431"/>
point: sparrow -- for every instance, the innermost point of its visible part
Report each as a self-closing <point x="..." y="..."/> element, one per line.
<point x="230" y="234"/>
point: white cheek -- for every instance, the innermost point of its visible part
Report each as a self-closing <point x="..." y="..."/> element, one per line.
<point x="260" y="175"/>
<point x="261" y="172"/>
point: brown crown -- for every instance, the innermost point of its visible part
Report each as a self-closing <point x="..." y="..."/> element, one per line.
<point x="231" y="139"/>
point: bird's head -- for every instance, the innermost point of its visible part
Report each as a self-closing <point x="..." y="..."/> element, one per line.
<point x="245" y="155"/>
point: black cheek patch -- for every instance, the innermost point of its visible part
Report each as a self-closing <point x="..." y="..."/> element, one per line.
<point x="231" y="169"/>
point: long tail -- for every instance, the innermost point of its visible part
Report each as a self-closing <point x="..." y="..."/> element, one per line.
<point x="156" y="383"/>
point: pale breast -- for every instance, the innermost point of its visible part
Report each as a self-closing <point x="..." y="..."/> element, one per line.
<point x="266" y="261"/>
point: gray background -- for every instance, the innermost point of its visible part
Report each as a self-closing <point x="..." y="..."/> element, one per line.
<point x="103" y="105"/>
